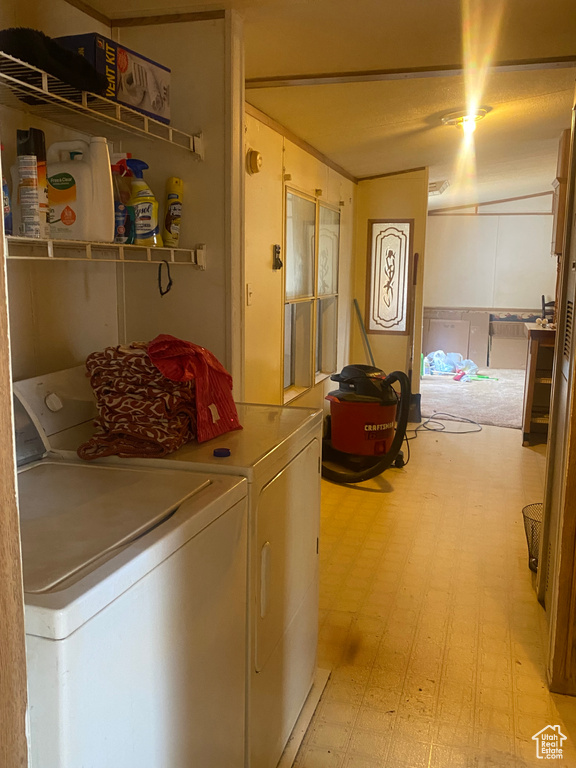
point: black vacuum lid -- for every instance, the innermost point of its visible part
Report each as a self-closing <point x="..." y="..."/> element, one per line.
<point x="363" y="383"/>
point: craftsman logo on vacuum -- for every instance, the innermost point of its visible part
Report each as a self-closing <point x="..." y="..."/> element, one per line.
<point x="370" y="428"/>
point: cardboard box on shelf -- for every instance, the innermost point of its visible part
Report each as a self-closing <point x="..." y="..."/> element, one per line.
<point x="133" y="79"/>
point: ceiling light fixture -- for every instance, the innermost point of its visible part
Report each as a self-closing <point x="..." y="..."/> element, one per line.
<point x="466" y="119"/>
<point x="438" y="187"/>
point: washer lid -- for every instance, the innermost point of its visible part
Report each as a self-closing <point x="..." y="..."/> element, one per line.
<point x="30" y="445"/>
<point x="73" y="515"/>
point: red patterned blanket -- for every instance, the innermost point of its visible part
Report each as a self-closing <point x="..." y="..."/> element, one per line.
<point x="153" y="398"/>
<point x="141" y="413"/>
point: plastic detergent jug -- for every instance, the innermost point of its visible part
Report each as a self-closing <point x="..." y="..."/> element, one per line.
<point x="146" y="223"/>
<point x="80" y="192"/>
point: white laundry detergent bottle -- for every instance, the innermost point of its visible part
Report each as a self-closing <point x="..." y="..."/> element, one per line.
<point x="80" y="192"/>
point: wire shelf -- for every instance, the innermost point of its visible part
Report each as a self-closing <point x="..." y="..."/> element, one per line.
<point x="76" y="250"/>
<point x="23" y="86"/>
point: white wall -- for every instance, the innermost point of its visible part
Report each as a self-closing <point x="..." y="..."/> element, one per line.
<point x="59" y="313"/>
<point x="199" y="306"/>
<point x="54" y="18"/>
<point x="491" y="261"/>
<point x="264" y="229"/>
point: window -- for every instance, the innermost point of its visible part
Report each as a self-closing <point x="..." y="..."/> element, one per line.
<point x="326" y="335"/>
<point x="389" y="288"/>
<point x="311" y="294"/>
<point x="300" y="245"/>
<point x="327" y="291"/>
<point x="297" y="362"/>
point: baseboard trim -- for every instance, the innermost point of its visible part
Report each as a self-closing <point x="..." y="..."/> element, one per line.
<point x="299" y="731"/>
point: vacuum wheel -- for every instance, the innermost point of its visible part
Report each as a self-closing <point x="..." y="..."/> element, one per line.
<point x="399" y="460"/>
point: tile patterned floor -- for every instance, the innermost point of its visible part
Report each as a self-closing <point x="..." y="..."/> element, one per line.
<point x="429" y="620"/>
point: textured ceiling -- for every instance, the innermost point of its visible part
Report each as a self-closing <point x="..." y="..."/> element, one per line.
<point x="380" y="127"/>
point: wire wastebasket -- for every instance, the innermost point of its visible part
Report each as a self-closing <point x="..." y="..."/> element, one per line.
<point x="532" y="514"/>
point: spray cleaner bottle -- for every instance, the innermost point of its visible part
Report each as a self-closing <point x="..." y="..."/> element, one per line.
<point x="123" y="211"/>
<point x="173" y="215"/>
<point x="145" y="205"/>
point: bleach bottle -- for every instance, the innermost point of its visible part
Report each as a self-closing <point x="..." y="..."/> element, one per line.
<point x="145" y="205"/>
<point x="80" y="192"/>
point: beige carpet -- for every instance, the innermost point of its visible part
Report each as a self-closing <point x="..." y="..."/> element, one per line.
<point x="498" y="403"/>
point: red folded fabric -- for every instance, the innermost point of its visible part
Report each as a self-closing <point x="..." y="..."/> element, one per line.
<point x="180" y="360"/>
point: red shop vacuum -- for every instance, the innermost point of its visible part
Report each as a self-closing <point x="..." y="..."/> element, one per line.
<point x="367" y="424"/>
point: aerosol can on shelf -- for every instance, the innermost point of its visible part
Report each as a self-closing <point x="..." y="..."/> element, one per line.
<point x="31" y="143"/>
<point x="29" y="185"/>
<point x="80" y="191"/>
<point x="25" y="187"/>
<point x="6" y="205"/>
<point x="173" y="212"/>
<point x="145" y="205"/>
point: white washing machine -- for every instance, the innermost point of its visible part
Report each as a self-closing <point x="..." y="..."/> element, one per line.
<point x="135" y="593"/>
<point x="279" y="453"/>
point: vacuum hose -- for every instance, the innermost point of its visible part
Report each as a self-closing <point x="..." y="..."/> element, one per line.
<point x="360" y="476"/>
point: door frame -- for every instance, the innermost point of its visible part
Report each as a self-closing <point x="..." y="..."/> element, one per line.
<point x="557" y="558"/>
<point x="13" y="687"/>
